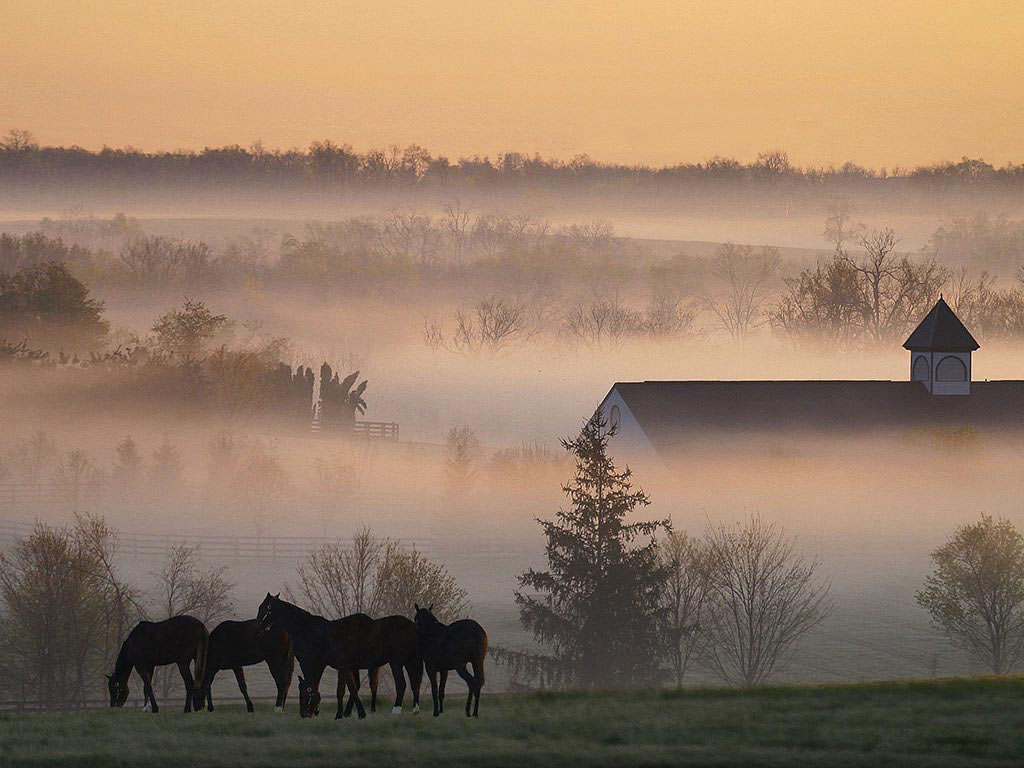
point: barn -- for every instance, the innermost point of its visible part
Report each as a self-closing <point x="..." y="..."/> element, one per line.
<point x="661" y="418"/>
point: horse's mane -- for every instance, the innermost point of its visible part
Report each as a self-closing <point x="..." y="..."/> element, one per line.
<point x="296" y="611"/>
<point x="123" y="666"/>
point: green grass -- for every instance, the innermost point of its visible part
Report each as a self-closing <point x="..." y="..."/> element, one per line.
<point x="976" y="721"/>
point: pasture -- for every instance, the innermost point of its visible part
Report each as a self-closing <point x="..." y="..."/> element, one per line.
<point x="975" y="721"/>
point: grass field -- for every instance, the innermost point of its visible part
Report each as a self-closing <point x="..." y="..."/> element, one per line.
<point x="976" y="721"/>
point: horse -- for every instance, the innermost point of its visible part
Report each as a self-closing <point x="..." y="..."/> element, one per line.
<point x="237" y="644"/>
<point x="177" y="640"/>
<point x="372" y="643"/>
<point x="452" y="646"/>
<point x="348" y="633"/>
<point x="317" y="644"/>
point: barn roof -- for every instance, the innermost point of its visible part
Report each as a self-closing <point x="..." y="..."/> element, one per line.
<point x="670" y="412"/>
<point x="941" y="331"/>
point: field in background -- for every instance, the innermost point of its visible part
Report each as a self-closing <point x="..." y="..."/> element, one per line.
<point x="975" y="722"/>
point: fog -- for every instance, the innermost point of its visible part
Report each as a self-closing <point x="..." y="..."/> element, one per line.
<point x="870" y="507"/>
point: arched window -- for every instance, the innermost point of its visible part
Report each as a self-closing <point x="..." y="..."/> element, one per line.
<point x="615" y="417"/>
<point x="921" y="370"/>
<point x="951" y="369"/>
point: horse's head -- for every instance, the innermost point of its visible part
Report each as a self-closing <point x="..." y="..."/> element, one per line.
<point x="264" y="618"/>
<point x="118" y="691"/>
<point x="309" y="699"/>
<point x="424" y="617"/>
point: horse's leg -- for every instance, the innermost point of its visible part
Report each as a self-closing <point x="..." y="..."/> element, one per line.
<point x="444" y="680"/>
<point x="478" y="682"/>
<point x="208" y="676"/>
<point x="341" y="693"/>
<point x="146" y="673"/>
<point x="415" y="670"/>
<point x="282" y="677"/>
<point x="186" y="676"/>
<point x="341" y="696"/>
<point x="374" y="678"/>
<point x="432" y="674"/>
<point x="470" y="682"/>
<point x="399" y="676"/>
<point x="353" y="690"/>
<point x="240" y="677"/>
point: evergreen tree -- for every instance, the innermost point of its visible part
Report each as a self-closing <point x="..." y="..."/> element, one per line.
<point x="128" y="464"/>
<point x="166" y="470"/>
<point x="598" y="606"/>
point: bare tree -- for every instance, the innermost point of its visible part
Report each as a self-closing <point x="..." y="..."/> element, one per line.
<point x="896" y="291"/>
<point x="840" y="226"/>
<point x="407" y="577"/>
<point x="184" y="588"/>
<point x="603" y="322"/>
<point x="65" y="611"/>
<point x="746" y="279"/>
<point x="31" y="456"/>
<point x="239" y="381"/>
<point x="975" y="594"/>
<point x="462" y="453"/>
<point x="457" y="226"/>
<point x="685" y="596"/>
<point x="409" y="237"/>
<point x="377" y="576"/>
<point x="78" y="479"/>
<point x="337" y="581"/>
<point x="764" y="597"/>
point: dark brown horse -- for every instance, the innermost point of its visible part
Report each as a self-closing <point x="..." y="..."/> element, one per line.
<point x="317" y="643"/>
<point x="373" y="643"/>
<point x="178" y="640"/>
<point x="452" y="646"/>
<point x="347" y="633"/>
<point x="237" y="644"/>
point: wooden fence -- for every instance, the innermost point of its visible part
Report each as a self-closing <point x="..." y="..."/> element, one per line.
<point x="379" y="430"/>
<point x="211" y="547"/>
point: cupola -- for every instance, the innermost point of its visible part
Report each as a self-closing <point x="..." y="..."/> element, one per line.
<point x="940" y="352"/>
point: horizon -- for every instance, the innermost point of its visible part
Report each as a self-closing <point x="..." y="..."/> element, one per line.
<point x="796" y="164"/>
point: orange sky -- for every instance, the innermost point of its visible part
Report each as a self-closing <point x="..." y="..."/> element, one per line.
<point x="880" y="83"/>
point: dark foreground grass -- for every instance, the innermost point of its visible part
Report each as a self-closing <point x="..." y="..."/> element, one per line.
<point x="978" y="721"/>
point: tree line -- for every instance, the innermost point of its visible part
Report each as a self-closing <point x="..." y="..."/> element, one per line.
<point x="326" y="165"/>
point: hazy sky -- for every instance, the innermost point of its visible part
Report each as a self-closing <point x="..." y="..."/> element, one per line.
<point x="881" y="83"/>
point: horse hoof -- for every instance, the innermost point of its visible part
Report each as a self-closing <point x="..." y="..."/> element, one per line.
<point x="396" y="710"/>
<point x="415" y="709"/>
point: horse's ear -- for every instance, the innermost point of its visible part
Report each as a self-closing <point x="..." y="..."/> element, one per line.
<point x="416" y="606"/>
<point x="268" y="596"/>
<point x="110" y="677"/>
<point x="301" y="680"/>
<point x="431" y="608"/>
<point x="277" y="596"/>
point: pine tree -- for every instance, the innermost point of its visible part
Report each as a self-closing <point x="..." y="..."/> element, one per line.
<point x="598" y="606"/>
<point x="128" y="466"/>
<point x="166" y="470"/>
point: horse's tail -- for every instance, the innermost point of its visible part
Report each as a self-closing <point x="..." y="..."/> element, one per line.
<point x="199" y="687"/>
<point x="480" y="665"/>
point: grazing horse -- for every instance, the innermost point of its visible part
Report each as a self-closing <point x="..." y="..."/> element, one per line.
<point x="392" y="640"/>
<point x="178" y="640"/>
<point x="373" y="643"/>
<point x="452" y="646"/>
<point x="317" y="644"/>
<point x="237" y="644"/>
